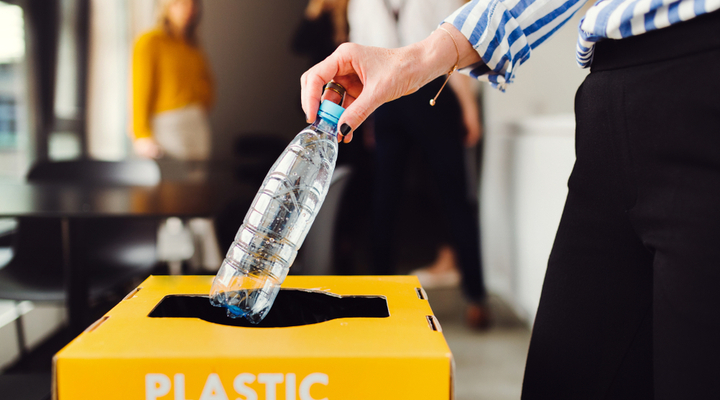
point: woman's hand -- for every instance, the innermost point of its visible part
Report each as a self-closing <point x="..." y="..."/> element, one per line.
<point x="147" y="148"/>
<point x="373" y="76"/>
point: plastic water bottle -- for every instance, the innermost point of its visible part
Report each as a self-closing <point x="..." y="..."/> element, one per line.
<point x="280" y="217"/>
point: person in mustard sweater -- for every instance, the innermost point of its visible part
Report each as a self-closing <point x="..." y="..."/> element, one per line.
<point x="172" y="88"/>
<point x="172" y="92"/>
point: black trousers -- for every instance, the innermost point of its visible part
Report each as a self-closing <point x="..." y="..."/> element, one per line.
<point x="630" y="307"/>
<point x="439" y="132"/>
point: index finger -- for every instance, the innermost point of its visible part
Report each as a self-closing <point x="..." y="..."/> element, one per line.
<point x="311" y="86"/>
<point x="314" y="79"/>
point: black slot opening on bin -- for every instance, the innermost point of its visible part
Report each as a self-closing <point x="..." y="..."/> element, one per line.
<point x="291" y="308"/>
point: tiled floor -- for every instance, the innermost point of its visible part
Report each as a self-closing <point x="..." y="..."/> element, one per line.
<point x="488" y="364"/>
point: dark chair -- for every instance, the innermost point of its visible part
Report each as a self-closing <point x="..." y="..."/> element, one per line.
<point x="255" y="154"/>
<point x="316" y="254"/>
<point x="116" y="251"/>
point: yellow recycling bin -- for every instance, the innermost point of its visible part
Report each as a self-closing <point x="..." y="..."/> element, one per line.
<point x="326" y="338"/>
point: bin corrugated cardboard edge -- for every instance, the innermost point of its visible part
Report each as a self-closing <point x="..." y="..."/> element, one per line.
<point x="128" y="355"/>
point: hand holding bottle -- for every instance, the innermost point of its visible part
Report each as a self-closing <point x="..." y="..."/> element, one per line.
<point x="373" y="76"/>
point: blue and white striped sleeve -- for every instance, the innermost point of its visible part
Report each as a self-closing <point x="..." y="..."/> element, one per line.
<point x="505" y="31"/>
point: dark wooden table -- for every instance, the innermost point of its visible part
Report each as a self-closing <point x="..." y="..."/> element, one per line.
<point x="73" y="203"/>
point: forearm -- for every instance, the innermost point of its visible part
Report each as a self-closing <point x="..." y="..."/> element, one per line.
<point x="438" y="53"/>
<point x="141" y="114"/>
<point x="464" y="88"/>
<point x="142" y="90"/>
<point x="504" y="33"/>
<point x="141" y="117"/>
<point x="373" y="76"/>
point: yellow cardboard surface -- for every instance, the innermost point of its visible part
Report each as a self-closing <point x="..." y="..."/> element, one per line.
<point x="128" y="355"/>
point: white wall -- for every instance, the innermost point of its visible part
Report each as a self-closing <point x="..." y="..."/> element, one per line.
<point x="544" y="86"/>
<point x="114" y="26"/>
<point x="107" y="81"/>
<point x="543" y="156"/>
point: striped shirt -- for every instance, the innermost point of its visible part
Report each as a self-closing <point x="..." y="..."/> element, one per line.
<point x="505" y="31"/>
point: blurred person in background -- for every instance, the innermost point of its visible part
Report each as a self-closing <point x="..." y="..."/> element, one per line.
<point x="324" y="26"/>
<point x="172" y="88"/>
<point x="172" y="92"/>
<point x="441" y="132"/>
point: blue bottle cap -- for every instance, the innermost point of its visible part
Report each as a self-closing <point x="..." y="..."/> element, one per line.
<point x="330" y="111"/>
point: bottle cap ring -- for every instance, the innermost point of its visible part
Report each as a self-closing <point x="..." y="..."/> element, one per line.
<point x="337" y="88"/>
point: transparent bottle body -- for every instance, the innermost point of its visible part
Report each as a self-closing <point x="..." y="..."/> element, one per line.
<point x="276" y="224"/>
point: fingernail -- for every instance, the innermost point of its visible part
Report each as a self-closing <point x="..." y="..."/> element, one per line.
<point x="345" y="129"/>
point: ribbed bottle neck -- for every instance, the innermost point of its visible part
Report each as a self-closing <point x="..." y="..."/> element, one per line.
<point x="325" y="125"/>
